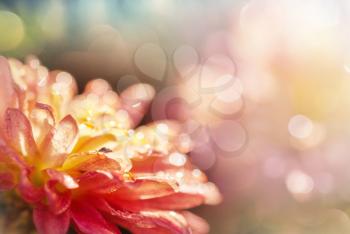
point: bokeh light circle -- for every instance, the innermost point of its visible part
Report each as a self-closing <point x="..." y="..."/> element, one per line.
<point x="12" y="29"/>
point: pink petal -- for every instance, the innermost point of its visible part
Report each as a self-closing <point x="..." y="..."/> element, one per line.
<point x="59" y="201"/>
<point x="197" y="224"/>
<point x="63" y="178"/>
<point x="49" y="223"/>
<point x="8" y="155"/>
<point x="7" y="181"/>
<point x="59" y="142"/>
<point x="98" y="87"/>
<point x="56" y="201"/>
<point x="89" y="220"/>
<point x="25" y="187"/>
<point x="7" y="87"/>
<point x="99" y="162"/>
<point x="175" y="201"/>
<point x="143" y="189"/>
<point x="18" y="132"/>
<point x="42" y="121"/>
<point x="121" y="216"/>
<point x="28" y="191"/>
<point x="160" y="222"/>
<point x="135" y="100"/>
<point x="98" y="182"/>
<point x="63" y="86"/>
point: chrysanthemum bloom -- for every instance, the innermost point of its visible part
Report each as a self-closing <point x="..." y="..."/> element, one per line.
<point x="78" y="161"/>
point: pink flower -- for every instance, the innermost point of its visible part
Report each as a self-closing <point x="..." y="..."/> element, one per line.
<point x="77" y="160"/>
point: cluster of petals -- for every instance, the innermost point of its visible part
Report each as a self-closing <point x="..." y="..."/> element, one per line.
<point x="80" y="161"/>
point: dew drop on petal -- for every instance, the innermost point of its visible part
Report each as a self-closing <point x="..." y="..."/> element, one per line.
<point x="177" y="159"/>
<point x="162" y="129"/>
<point x="196" y="173"/>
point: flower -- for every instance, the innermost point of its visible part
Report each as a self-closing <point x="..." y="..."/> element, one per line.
<point x="77" y="159"/>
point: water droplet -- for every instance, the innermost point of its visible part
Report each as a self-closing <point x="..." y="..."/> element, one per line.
<point x="177" y="159"/>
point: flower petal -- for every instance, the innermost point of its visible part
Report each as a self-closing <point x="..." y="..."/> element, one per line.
<point x="99" y="182"/>
<point x="57" y="190"/>
<point x="151" y="222"/>
<point x="18" y="132"/>
<point x="59" y="142"/>
<point x="7" y="181"/>
<point x="90" y="162"/>
<point x="7" y="91"/>
<point x="42" y="120"/>
<point x="89" y="220"/>
<point x="9" y="156"/>
<point x="63" y="88"/>
<point x="28" y="191"/>
<point x="49" y="223"/>
<point x="175" y="201"/>
<point x="98" y="87"/>
<point x="93" y="143"/>
<point x="63" y="178"/>
<point x="57" y="202"/>
<point x="197" y="224"/>
<point x="135" y="100"/>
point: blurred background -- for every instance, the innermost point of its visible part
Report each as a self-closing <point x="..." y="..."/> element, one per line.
<point x="261" y="86"/>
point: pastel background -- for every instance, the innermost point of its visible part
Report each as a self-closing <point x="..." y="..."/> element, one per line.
<point x="262" y="87"/>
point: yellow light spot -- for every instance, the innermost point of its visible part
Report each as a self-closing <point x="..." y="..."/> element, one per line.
<point x="12" y="30"/>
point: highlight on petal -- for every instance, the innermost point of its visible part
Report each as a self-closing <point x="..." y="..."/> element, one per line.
<point x="98" y="87"/>
<point x="19" y="134"/>
<point x="63" y="178"/>
<point x="208" y="190"/>
<point x="49" y="223"/>
<point x="59" y="142"/>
